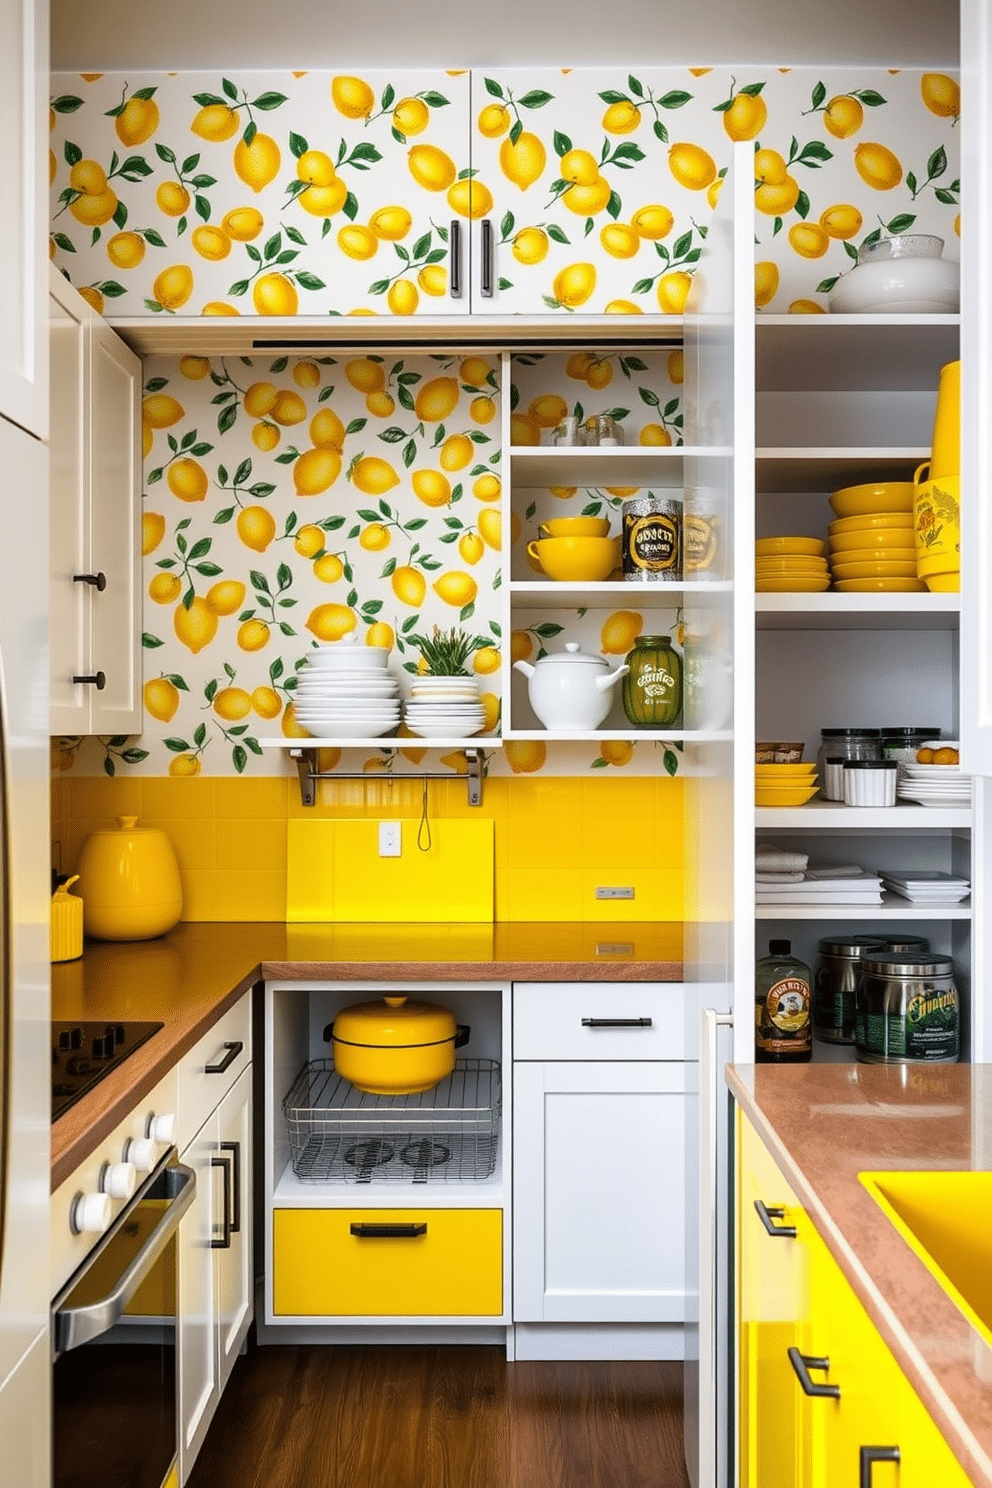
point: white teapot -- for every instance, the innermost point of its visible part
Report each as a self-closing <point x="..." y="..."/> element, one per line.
<point x="570" y="691"/>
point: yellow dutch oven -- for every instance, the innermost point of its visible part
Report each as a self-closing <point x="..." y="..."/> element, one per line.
<point x="133" y="888"/>
<point x="395" y="1046"/>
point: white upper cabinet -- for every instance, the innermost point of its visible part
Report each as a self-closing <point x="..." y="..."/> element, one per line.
<point x="23" y="272"/>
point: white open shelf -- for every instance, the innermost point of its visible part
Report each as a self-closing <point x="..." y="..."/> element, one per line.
<point x="384" y="741"/>
<point x="630" y="734"/>
<point x="626" y="465"/>
<point x="292" y="1193"/>
<point x="822" y="471"/>
<point x="892" y="907"/>
<point x="835" y="816"/>
<point x="857" y="611"/>
<point x="852" y="353"/>
<point x="544" y="595"/>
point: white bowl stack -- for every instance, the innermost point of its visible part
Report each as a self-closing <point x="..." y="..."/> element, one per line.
<point x="444" y="708"/>
<point x="347" y="692"/>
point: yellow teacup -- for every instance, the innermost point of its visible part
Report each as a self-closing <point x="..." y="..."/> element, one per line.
<point x="576" y="559"/>
<point x="576" y="527"/>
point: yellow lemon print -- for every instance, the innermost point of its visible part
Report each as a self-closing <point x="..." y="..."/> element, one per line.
<point x="809" y="239"/>
<point x="490" y="711"/>
<point x="530" y="245"/>
<point x="243" y="224"/>
<point x="620" y="631"/>
<point x="841" y="221"/>
<point x="524" y="756"/>
<point x="775" y="200"/>
<point x="456" y="588"/>
<point x="491" y="527"/>
<point x="306" y="375"/>
<point x="579" y="167"/>
<point x="187" y="480"/>
<point x="877" y="166"/>
<point x="651" y="434"/>
<point x="172" y="199"/>
<point x="365" y="376"/>
<point x="380" y="404"/>
<point x="482" y="410"/>
<point x="622" y="117"/>
<point x="766" y="278"/>
<point x="253" y="635"/>
<point x="358" y="242"/>
<point x="215" y="122"/>
<point x="745" y="118"/>
<point x="211" y="242"/>
<point x="88" y="177"/>
<point x="574" y="284"/>
<point x="578" y="365"/>
<point x="324" y="201"/>
<point x="373" y="476"/>
<point x="431" y="168"/>
<point x="436" y="399"/>
<point x="260" y="399"/>
<point x="137" y="121"/>
<point x="548" y="410"/>
<point x="161" y="411"/>
<point x="600" y="374"/>
<point x="288" y="408"/>
<point x="315" y="471"/>
<point x="173" y="287"/>
<point x="471" y="547"/>
<point x="675" y="366"/>
<point x="274" y="294"/>
<point x="652" y="222"/>
<point x="622" y="307"/>
<point x="433" y="279"/>
<point x="352" y="97"/>
<point x="266" y="702"/>
<point x="494" y="120"/>
<point x="195" y="368"/>
<point x="403" y="297"/>
<point x="219" y="307"/>
<point x="290" y="728"/>
<point x="374" y="537"/>
<point x="258" y="163"/>
<point x="941" y="94"/>
<point x="327" y="430"/>
<point x="380" y="634"/>
<point x="309" y="540"/>
<point x="487" y="488"/>
<point x="843" y="116"/>
<point x="431" y="487"/>
<point x="691" y="166"/>
<point x="770" y="168"/>
<point x="328" y="569"/>
<point x="524" y="429"/>
<point x="392" y="223"/>
<point x="619" y="240"/>
<point x="184" y="766"/>
<point x="673" y="291"/>
<point x="195" y="627"/>
<point x="523" y="162"/>
<point x="470" y="198"/>
<point x="456" y="452"/>
<point x="475" y="371"/>
<point x="161" y="698"/>
<point x="164" y="588"/>
<point x="315" y="168"/>
<point x="232" y="704"/>
<point x="806" y="307"/>
<point x="409" y="586"/>
<point x="225" y="597"/>
<point x="152" y="531"/>
<point x="94" y="211"/>
<point x="617" y="752"/>
<point x="411" y="116"/>
<point x="329" y="622"/>
<point x="521" y="645"/>
<point x="586" y="201"/>
<point x="126" y="250"/>
<point x="256" y="527"/>
<point x="486" y="660"/>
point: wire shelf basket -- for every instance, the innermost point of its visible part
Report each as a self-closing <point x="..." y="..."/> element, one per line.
<point x="449" y="1134"/>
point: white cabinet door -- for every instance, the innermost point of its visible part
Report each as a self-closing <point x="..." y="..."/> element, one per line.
<point x="199" y="1386"/>
<point x="68" y="599"/>
<point x="234" y="1261"/>
<point x="599" y="1192"/>
<point x="23" y="270"/>
<point x="115" y="527"/>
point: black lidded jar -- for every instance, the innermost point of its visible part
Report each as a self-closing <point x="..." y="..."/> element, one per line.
<point x="836" y="977"/>
<point x="782" y="1001"/>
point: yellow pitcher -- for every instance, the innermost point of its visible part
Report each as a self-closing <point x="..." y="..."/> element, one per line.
<point x="945" y="456"/>
<point x="937" y="530"/>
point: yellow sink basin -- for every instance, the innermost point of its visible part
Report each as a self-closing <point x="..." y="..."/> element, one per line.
<point x="946" y="1218"/>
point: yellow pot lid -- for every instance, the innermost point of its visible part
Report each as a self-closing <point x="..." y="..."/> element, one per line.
<point x="394" y="1022"/>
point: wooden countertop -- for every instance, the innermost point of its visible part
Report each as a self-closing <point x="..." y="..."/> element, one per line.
<point x="826" y="1123"/>
<point x="189" y="977"/>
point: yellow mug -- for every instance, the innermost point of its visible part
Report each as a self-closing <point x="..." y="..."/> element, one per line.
<point x="937" y="528"/>
<point x="945" y="456"/>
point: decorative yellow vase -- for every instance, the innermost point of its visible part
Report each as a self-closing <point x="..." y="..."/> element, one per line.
<point x="67" y="922"/>
<point x="945" y="458"/>
<point x="937" y="531"/>
<point x="133" y="889"/>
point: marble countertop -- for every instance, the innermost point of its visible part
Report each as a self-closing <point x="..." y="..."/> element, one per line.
<point x="826" y="1123"/>
<point x="190" y="977"/>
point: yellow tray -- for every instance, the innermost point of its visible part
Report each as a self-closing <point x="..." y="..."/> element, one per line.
<point x="873" y="522"/>
<point x="886" y="496"/>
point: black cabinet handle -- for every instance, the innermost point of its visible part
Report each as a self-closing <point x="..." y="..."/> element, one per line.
<point x="97" y="680"/>
<point x="233" y="1050"/>
<point x="869" y="1456"/>
<point x="388" y="1231"/>
<point x="487" y="259"/>
<point x="785" y="1232"/>
<point x="616" y="1022"/>
<point x="802" y="1364"/>
<point x="225" y="1243"/>
<point x="455" y="256"/>
<point x="234" y="1148"/>
<point x="98" y="580"/>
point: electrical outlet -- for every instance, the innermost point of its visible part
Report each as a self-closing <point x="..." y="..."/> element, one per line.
<point x="610" y="892"/>
<point x="390" y="839"/>
<point x="614" y="948"/>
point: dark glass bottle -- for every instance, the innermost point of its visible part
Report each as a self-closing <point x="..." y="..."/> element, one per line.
<point x="782" y="995"/>
<point x="652" y="688"/>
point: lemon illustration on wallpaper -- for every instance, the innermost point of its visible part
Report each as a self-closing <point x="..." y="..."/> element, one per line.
<point x="411" y="116"/>
<point x="243" y="224"/>
<point x="326" y="430"/>
<point x="409" y="586"/>
<point x="599" y="374"/>
<point x="490" y="525"/>
<point x="456" y="588"/>
<point x="225" y="597"/>
<point x="487" y="487"/>
<point x="328" y="568"/>
<point x="164" y="588"/>
<point x="380" y="404"/>
<point x="126" y="250"/>
<point x="253" y="635"/>
<point x="374" y="537"/>
<point x="809" y="239"/>
<point x="358" y="242"/>
<point x="372" y="475"/>
<point x="194" y="368"/>
<point x="619" y="240"/>
<point x="232" y="704"/>
<point x="524" y="429"/>
<point x="548" y="410"/>
<point x="482" y="410"/>
<point x="673" y="291"/>
<point x="530" y="245"/>
<point x="256" y="527"/>
<point x="470" y="198"/>
<point x="521" y="645"/>
<point x="266" y="702"/>
<point x="523" y="161"/>
<point x="137" y="121"/>
<point x="524" y="756"/>
<point x="352" y="97"/>
<point x="842" y="221"/>
<point x="622" y="117"/>
<point x="433" y="278"/>
<point x="877" y="166"/>
<point x="493" y="120"/>
<point x="172" y="198"/>
<point x="215" y="122"/>
<point x="941" y="94"/>
<point x="195" y="627"/>
<point x="574" y="284"/>
<point x="746" y="116"/>
<point x="380" y="634"/>
<point x="653" y="222"/>
<point x="456" y="452"/>
<point x="766" y="278"/>
<point x="620" y="631"/>
<point x="274" y="294"/>
<point x="471" y="547"/>
<point x="431" y="168"/>
<point x="309" y="540"/>
<point x="329" y="622"/>
<point x="588" y="201"/>
<point x="486" y="661"/>
<point x="437" y="399"/>
<point x="161" y="698"/>
<point x="691" y="165"/>
<point x="173" y="286"/>
<point x="403" y="297"/>
<point x="843" y="116"/>
<point x="431" y="487"/>
<point x="152" y="531"/>
<point x="617" y="752"/>
<point x="392" y="224"/>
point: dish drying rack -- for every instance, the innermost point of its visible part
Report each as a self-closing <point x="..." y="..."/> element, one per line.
<point x="448" y="1134"/>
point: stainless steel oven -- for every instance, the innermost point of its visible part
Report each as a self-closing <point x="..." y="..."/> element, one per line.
<point x="114" y="1345"/>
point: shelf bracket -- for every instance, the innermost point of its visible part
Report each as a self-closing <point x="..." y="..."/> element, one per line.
<point x="305" y="761"/>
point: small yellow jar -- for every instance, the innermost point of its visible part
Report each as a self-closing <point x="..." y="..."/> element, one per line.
<point x="133" y="889"/>
<point x="67" y="922"/>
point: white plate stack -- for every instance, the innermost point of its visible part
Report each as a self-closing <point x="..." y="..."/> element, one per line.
<point x="921" y="886"/>
<point x="346" y="692"/>
<point x="934" y="785"/>
<point x="444" y="708"/>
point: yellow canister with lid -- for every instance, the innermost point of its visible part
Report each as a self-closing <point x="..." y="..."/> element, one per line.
<point x="67" y="922"/>
<point x="133" y="888"/>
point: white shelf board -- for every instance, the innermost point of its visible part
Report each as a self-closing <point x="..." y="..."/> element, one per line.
<point x="627" y="465"/>
<point x="538" y="595"/>
<point x="857" y="611"/>
<point x="891" y="908"/>
<point x="213" y="335"/>
<point x="853" y="353"/>
<point x="384" y="741"/>
<point x="292" y="1193"/>
<point x="629" y="735"/>
<point x="784" y="468"/>
<point x="834" y="816"/>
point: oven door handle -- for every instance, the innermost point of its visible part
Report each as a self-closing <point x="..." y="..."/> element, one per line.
<point x="74" y="1326"/>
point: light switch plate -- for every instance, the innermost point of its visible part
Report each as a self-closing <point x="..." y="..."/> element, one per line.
<point x="390" y="839"/>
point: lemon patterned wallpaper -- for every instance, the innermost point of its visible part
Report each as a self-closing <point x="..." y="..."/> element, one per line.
<point x="321" y="193"/>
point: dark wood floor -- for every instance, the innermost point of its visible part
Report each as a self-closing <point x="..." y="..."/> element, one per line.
<point x="450" y="1417"/>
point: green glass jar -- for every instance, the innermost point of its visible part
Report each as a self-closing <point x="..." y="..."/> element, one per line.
<point x="652" y="689"/>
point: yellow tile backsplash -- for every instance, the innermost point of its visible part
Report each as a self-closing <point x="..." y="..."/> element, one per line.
<point x="554" y="840"/>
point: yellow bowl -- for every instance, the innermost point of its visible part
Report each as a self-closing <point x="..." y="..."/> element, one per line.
<point x="576" y="527"/>
<point x="771" y="775"/>
<point x="880" y="586"/>
<point x="886" y="496"/>
<point x="798" y="584"/>
<point x="876" y="570"/>
<point x="579" y="559"/>
<point x="796" y="795"/>
<point x="873" y="521"/>
<point x="779" y="568"/>
<point x="871" y="538"/>
<point x="767" y="547"/>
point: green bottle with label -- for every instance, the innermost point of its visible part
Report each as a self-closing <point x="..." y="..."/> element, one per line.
<point x="782" y="995"/>
<point x="652" y="688"/>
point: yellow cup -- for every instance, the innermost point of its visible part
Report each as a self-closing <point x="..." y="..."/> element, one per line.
<point x="937" y="524"/>
<point x="576" y="527"/>
<point x="945" y="456"/>
<point x="579" y="559"/>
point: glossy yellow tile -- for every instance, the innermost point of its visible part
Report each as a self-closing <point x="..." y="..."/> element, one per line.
<point x="249" y="842"/>
<point x="192" y="841"/>
<point x="545" y="824"/>
<point x="168" y="799"/>
<point x="260" y="799"/>
<point x="620" y="823"/>
<point x="540" y="894"/>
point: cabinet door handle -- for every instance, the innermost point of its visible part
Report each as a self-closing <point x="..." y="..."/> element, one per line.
<point x="98" y="580"/>
<point x="225" y="1243"/>
<point x="616" y="1023"/>
<point x="802" y="1364"/>
<point x="233" y="1050"/>
<point x="388" y="1231"/>
<point x="455" y="254"/>
<point x="869" y="1456"/>
<point x="487" y="259"/>
<point x="234" y="1148"/>
<point x="786" y="1232"/>
<point x="97" y="680"/>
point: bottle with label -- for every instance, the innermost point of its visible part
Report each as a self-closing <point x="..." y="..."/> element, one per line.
<point x="652" y="688"/>
<point x="782" y="995"/>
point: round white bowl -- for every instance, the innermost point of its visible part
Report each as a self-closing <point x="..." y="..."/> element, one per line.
<point x="899" y="286"/>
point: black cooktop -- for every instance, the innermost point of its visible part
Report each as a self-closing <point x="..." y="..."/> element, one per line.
<point x="82" y="1053"/>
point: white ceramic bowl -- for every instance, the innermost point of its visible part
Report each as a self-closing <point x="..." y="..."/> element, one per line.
<point x="365" y="658"/>
<point x="899" y="286"/>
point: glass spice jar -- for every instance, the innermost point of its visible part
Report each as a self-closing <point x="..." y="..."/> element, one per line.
<point x="652" y="688"/>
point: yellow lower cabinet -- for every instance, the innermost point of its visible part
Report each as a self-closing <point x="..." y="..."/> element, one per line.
<point x="387" y="1262"/>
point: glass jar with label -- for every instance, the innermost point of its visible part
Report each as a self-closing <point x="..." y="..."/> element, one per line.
<point x="782" y="996"/>
<point x="652" y="539"/>
<point x="908" y="1010"/>
<point x="900" y="744"/>
<point x="845" y="744"/>
<point x="652" y="688"/>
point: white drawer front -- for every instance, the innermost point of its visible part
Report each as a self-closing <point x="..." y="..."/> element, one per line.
<point x="201" y="1091"/>
<point x="598" y="1020"/>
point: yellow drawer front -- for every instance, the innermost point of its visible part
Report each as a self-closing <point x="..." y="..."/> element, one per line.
<point x="322" y="1269"/>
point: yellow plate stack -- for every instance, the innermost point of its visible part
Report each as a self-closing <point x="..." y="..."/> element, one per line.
<point x="785" y="565"/>
<point x="872" y="546"/>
